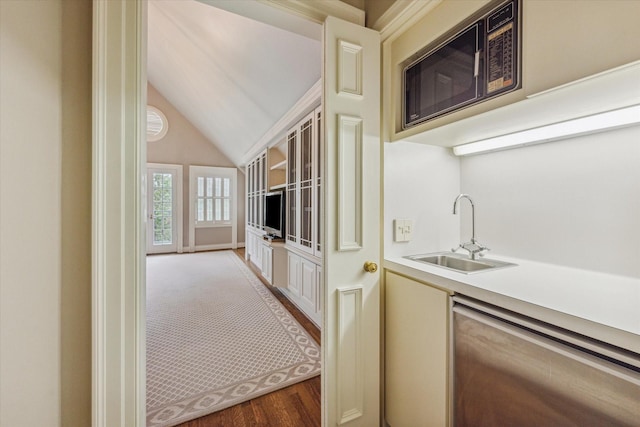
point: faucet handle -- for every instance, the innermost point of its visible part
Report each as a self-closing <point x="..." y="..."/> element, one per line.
<point x="482" y="250"/>
<point x="473" y="247"/>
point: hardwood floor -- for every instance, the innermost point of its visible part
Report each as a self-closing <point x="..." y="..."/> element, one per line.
<point x="298" y="405"/>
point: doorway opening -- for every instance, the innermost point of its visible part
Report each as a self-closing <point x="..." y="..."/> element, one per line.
<point x="193" y="44"/>
<point x="119" y="221"/>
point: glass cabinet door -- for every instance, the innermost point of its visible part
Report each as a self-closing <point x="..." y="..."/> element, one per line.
<point x="256" y="189"/>
<point x="292" y="186"/>
<point x="262" y="185"/>
<point x="318" y="182"/>
<point x="303" y="182"/>
<point x="306" y="183"/>
<point x="254" y="184"/>
<point x="250" y="194"/>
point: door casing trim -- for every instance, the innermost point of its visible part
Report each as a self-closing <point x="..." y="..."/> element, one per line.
<point x="118" y="197"/>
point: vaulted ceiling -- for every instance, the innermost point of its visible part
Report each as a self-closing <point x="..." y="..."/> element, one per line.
<point x="231" y="76"/>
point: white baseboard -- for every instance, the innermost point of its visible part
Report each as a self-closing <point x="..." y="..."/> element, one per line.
<point x="241" y="244"/>
<point x="212" y="247"/>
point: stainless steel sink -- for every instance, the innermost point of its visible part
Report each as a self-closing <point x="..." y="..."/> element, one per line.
<point x="460" y="263"/>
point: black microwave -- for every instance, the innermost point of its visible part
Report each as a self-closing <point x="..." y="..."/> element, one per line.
<point x="476" y="63"/>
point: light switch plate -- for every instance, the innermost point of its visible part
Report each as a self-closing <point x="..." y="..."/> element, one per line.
<point x="398" y="230"/>
<point x="408" y="230"/>
<point x="402" y="230"/>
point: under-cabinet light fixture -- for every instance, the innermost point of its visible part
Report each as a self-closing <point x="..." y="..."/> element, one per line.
<point x="589" y="124"/>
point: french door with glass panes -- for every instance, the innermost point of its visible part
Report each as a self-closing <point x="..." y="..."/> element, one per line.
<point x="164" y="208"/>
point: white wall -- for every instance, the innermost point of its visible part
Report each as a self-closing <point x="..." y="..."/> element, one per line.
<point x="574" y="202"/>
<point x="420" y="183"/>
<point x="45" y="213"/>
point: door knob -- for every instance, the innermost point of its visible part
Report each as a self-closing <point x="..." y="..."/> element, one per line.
<point x="370" y="267"/>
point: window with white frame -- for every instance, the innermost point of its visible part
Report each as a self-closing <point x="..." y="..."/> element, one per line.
<point x="213" y="196"/>
<point x="213" y="200"/>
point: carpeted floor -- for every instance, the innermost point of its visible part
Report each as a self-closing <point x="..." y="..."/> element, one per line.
<point x="216" y="337"/>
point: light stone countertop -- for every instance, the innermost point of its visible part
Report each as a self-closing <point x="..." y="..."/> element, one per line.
<point x="602" y="306"/>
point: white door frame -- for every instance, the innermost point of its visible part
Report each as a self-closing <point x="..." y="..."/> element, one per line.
<point x="178" y="202"/>
<point x="118" y="219"/>
<point x="119" y="197"/>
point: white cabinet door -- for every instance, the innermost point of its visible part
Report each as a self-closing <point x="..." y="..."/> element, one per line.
<point x="416" y="353"/>
<point x="249" y="239"/>
<point x="251" y="246"/>
<point x="293" y="281"/>
<point x="351" y="321"/>
<point x="308" y="286"/>
<point x="267" y="262"/>
<point x="253" y="249"/>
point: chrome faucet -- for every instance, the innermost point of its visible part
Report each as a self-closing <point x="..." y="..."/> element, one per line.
<point x="474" y="248"/>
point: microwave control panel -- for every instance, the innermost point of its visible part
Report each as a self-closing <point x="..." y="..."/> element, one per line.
<point x="500" y="49"/>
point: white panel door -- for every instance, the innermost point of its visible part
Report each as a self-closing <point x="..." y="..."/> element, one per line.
<point x="164" y="208"/>
<point x="308" y="285"/>
<point x="351" y="100"/>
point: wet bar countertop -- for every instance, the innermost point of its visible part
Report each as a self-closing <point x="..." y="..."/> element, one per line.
<point x="602" y="306"/>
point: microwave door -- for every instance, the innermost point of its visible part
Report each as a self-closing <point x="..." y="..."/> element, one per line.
<point x="446" y="78"/>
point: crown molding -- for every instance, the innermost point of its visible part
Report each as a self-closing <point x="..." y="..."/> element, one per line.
<point x="401" y="14"/>
<point x="318" y="10"/>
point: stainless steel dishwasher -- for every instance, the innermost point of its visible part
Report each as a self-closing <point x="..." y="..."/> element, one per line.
<point x="510" y="370"/>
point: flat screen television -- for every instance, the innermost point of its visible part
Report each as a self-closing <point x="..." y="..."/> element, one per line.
<point x="274" y="214"/>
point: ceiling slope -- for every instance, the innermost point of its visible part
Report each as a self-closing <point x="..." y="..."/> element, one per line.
<point x="232" y="77"/>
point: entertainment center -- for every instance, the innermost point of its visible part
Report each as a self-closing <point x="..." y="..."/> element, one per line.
<point x="284" y="213"/>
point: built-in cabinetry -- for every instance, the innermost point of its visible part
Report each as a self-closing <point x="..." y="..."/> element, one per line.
<point x="269" y="256"/>
<point x="304" y="285"/>
<point x="273" y="262"/>
<point x="256" y="189"/>
<point x="304" y="208"/>
<point x="277" y="172"/>
<point x="292" y="165"/>
<point x="252" y="248"/>
<point x="416" y="353"/>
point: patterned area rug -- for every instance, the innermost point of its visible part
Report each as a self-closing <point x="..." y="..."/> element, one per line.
<point x="216" y="337"/>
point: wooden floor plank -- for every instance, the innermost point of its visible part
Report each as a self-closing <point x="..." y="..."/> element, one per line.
<point x="298" y="405"/>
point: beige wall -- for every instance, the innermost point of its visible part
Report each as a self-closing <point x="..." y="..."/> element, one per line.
<point x="356" y="3"/>
<point x="45" y="213"/>
<point x="374" y="9"/>
<point x="185" y="145"/>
